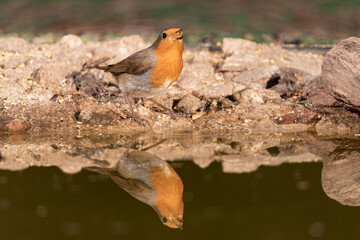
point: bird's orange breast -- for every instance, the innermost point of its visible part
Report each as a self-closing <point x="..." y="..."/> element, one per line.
<point x="168" y="67"/>
<point x="169" y="189"/>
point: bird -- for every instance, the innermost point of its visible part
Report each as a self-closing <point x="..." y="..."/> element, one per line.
<point x="151" y="180"/>
<point x="148" y="72"/>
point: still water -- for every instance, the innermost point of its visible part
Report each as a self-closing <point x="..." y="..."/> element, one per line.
<point x="255" y="188"/>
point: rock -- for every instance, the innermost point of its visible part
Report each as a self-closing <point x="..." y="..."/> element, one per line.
<point x="197" y="75"/>
<point x="239" y="63"/>
<point x="237" y="45"/>
<point x="14" y="44"/>
<point x="248" y="96"/>
<point x="226" y="103"/>
<point x="241" y="55"/>
<point x="87" y="83"/>
<point x="12" y="125"/>
<point x="256" y="68"/>
<point x="93" y="113"/>
<point x="317" y="96"/>
<point x="341" y="72"/>
<point x="291" y="81"/>
<point x="256" y="96"/>
<point x="298" y="116"/>
<point x="205" y="57"/>
<point x="189" y="104"/>
<point x="16" y="62"/>
<point x="269" y="95"/>
<point x="70" y="41"/>
<point x="264" y="117"/>
<point x="166" y="98"/>
<point x="256" y="78"/>
<point x="219" y="90"/>
<point x="53" y="76"/>
<point x="118" y="49"/>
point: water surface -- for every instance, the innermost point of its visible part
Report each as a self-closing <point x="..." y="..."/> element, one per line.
<point x="224" y="197"/>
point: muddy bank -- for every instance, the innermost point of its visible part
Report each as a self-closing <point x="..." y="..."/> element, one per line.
<point x="242" y="86"/>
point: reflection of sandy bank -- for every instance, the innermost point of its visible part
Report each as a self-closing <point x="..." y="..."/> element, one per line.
<point x="341" y="176"/>
<point x="237" y="152"/>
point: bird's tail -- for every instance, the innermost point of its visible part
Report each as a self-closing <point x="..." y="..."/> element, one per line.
<point x="101" y="170"/>
<point x="96" y="64"/>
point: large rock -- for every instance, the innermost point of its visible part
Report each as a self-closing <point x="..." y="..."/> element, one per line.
<point x="341" y="72"/>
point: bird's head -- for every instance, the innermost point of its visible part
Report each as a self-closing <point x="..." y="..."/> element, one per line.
<point x="171" y="216"/>
<point x="171" y="38"/>
<point x="169" y="204"/>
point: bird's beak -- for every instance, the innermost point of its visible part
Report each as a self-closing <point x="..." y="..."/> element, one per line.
<point x="180" y="224"/>
<point x="178" y="34"/>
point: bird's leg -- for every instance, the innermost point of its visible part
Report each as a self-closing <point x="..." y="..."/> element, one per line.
<point x="126" y="153"/>
<point x="172" y="114"/>
<point x="133" y="115"/>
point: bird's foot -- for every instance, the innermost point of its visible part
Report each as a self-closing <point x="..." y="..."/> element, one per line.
<point x="135" y="118"/>
<point x="173" y="114"/>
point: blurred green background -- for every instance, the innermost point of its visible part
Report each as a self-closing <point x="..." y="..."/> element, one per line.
<point x="312" y="21"/>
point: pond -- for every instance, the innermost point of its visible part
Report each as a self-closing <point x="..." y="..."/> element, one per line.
<point x="294" y="186"/>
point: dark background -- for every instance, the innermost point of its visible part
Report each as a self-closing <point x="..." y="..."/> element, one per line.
<point x="274" y="203"/>
<point x="306" y="21"/>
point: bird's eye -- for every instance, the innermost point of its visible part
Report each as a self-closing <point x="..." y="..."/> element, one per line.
<point x="164" y="35"/>
<point x="164" y="220"/>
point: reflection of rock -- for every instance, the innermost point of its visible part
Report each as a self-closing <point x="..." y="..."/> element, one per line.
<point x="270" y="157"/>
<point x="152" y="181"/>
<point x="341" y="176"/>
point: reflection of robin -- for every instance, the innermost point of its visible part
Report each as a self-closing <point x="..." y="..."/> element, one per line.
<point x="151" y="180"/>
<point x="147" y="72"/>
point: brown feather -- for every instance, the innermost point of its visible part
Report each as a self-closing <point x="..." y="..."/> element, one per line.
<point x="137" y="63"/>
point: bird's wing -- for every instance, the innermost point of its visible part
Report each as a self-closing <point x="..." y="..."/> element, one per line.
<point x="137" y="63"/>
<point x="134" y="186"/>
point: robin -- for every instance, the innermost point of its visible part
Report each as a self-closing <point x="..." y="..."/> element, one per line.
<point x="151" y="180"/>
<point x="146" y="73"/>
